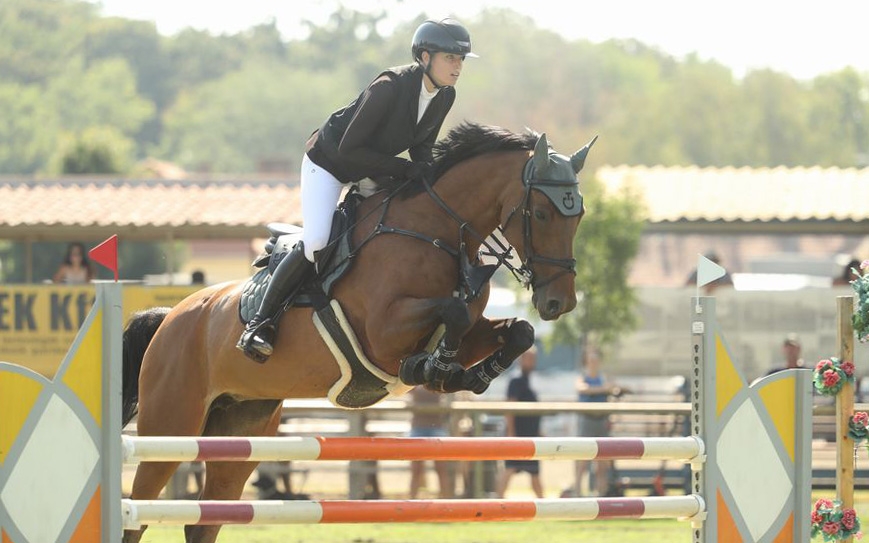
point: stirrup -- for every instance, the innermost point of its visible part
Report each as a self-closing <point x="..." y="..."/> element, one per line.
<point x="253" y="343"/>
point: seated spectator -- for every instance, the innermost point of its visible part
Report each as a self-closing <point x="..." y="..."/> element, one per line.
<point x="76" y="269"/>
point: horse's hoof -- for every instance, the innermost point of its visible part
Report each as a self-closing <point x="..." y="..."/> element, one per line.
<point x="412" y="369"/>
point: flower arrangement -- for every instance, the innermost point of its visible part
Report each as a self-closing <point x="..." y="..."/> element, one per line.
<point x="834" y="522"/>
<point x="831" y="374"/>
<point x="860" y="319"/>
<point x="858" y="427"/>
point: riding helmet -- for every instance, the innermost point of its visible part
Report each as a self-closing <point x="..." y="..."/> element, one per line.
<point x="446" y="36"/>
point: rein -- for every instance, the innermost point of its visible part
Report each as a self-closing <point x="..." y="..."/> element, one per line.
<point x="501" y="251"/>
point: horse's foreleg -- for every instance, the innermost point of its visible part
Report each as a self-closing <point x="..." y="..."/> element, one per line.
<point x="500" y="342"/>
<point x="435" y="369"/>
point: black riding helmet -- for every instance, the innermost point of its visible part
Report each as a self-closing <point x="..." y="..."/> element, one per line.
<point x="444" y="36"/>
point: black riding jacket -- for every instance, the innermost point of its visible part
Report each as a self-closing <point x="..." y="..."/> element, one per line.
<point x="362" y="139"/>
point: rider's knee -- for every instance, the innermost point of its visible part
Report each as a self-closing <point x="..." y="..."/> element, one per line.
<point x="314" y="243"/>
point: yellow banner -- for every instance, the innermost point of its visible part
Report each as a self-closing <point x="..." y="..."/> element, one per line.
<point x="39" y="322"/>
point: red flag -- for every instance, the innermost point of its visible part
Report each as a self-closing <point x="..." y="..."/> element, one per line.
<point x="106" y="253"/>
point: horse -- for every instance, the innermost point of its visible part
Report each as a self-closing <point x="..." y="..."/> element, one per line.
<point x="182" y="370"/>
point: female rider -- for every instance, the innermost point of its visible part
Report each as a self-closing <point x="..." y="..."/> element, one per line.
<point x="401" y="110"/>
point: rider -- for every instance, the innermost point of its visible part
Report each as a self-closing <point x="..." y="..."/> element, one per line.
<point x="401" y="110"/>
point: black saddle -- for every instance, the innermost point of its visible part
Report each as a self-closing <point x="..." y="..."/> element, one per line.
<point x="332" y="261"/>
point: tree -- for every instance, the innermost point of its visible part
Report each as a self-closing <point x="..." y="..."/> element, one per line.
<point x="38" y="38"/>
<point x="28" y="131"/>
<point x="605" y="246"/>
<point x="97" y="150"/>
<point x="264" y="111"/>
<point x="839" y="119"/>
<point x="102" y="95"/>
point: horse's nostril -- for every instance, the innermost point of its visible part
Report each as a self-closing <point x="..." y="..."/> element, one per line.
<point x="553" y="307"/>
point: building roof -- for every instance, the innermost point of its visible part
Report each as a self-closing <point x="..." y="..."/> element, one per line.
<point x="732" y="199"/>
<point x="810" y="200"/>
<point x="145" y="209"/>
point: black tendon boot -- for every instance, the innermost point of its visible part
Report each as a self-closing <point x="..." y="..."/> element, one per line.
<point x="259" y="334"/>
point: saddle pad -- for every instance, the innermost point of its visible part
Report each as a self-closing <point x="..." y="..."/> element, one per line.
<point x="252" y="294"/>
<point x="362" y="384"/>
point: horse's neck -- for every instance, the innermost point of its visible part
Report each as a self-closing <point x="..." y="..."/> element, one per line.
<point x="477" y="194"/>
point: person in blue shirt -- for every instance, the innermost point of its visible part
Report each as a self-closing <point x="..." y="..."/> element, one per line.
<point x="594" y="387"/>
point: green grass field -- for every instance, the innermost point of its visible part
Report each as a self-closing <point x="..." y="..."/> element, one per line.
<point x="624" y="531"/>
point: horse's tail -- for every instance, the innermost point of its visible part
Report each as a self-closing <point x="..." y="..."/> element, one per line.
<point x="138" y="333"/>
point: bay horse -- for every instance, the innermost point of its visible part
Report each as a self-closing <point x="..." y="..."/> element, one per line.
<point x="182" y="366"/>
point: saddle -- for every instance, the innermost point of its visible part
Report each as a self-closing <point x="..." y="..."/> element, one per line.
<point x="362" y="384"/>
<point x="332" y="261"/>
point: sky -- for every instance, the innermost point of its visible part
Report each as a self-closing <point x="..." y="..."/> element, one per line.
<point x="801" y="38"/>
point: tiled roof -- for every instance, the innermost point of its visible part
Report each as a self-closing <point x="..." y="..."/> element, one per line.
<point x="830" y="198"/>
<point x="818" y="199"/>
<point x="45" y="209"/>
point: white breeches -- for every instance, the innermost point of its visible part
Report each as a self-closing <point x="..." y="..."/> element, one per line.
<point x="320" y="193"/>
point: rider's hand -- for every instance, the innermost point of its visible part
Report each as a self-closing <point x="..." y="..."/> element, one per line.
<point x="420" y="171"/>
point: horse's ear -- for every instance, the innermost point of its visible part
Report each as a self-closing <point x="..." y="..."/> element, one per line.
<point x="578" y="158"/>
<point x="541" y="155"/>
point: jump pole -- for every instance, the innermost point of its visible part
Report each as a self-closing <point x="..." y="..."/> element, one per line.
<point x="754" y="485"/>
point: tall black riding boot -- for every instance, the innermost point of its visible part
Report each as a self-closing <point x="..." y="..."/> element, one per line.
<point x="257" y="338"/>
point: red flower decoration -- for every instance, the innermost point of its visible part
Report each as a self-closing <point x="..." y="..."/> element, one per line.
<point x="849" y="516"/>
<point x="848" y="368"/>
<point x="831" y="528"/>
<point x="823" y="364"/>
<point x="830" y="378"/>
<point x="823" y="503"/>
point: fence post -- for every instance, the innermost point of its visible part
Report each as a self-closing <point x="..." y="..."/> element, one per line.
<point x="845" y="405"/>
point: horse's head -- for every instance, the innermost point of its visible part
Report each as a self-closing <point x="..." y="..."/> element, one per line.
<point x="551" y="207"/>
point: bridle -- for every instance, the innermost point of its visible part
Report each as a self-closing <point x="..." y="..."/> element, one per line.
<point x="530" y="257"/>
<point x="524" y="273"/>
<point x="492" y="246"/>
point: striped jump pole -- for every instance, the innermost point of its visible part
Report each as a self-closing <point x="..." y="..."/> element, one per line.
<point x="246" y="449"/>
<point x="148" y="512"/>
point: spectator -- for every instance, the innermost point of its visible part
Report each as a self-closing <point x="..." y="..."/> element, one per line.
<point x="75" y="269"/>
<point x="791" y="350"/>
<point x="430" y="424"/>
<point x="594" y="387"/>
<point x="519" y="390"/>
<point x="850" y="272"/>
<point x="725" y="279"/>
<point x="197" y="277"/>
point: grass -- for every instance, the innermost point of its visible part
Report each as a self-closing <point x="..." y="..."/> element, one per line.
<point x="624" y="531"/>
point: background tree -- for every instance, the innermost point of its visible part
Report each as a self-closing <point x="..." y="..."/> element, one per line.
<point x="605" y="246"/>
<point x="99" y="150"/>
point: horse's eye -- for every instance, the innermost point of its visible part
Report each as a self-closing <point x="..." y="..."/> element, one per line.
<point x="539" y="215"/>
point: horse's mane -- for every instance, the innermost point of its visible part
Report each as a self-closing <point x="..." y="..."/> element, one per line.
<point x="468" y="140"/>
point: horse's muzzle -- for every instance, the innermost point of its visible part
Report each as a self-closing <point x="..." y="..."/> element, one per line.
<point x="552" y="307"/>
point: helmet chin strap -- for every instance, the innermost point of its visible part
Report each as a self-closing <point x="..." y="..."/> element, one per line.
<point x="427" y="71"/>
